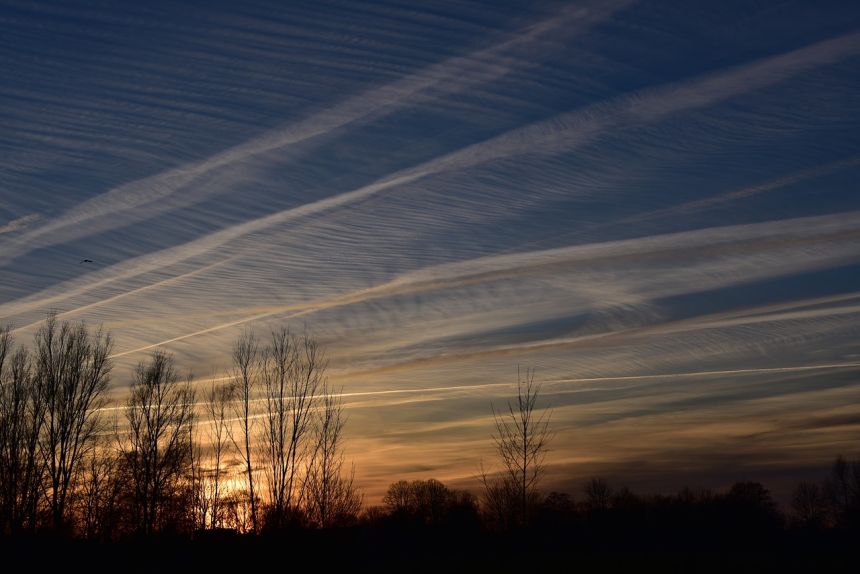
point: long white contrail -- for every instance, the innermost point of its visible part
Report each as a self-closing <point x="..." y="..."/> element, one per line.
<point x="494" y="267"/>
<point x="749" y="371"/>
<point x="566" y="131"/>
<point x="457" y="388"/>
<point x="450" y="76"/>
<point x="562" y="381"/>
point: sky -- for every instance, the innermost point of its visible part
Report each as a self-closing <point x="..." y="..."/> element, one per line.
<point x="654" y="205"/>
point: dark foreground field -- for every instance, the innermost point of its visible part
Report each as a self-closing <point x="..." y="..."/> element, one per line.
<point x="429" y="550"/>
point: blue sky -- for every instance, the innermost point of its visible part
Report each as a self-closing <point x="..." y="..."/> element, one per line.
<point x="653" y="204"/>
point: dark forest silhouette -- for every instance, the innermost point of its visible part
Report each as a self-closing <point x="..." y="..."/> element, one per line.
<point x="71" y="471"/>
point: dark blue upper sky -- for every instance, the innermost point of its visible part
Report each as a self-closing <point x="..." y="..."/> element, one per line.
<point x="653" y="203"/>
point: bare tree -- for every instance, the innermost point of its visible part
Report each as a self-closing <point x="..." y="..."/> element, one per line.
<point x="278" y="369"/>
<point x="21" y="419"/>
<point x="522" y="436"/>
<point x="236" y="511"/>
<point x="429" y="502"/>
<point x="842" y="490"/>
<point x="808" y="505"/>
<point x="206" y="469"/>
<point x="99" y="494"/>
<point x="156" y="448"/>
<point x="198" y="486"/>
<point x="293" y="369"/>
<point x="398" y="497"/>
<point x="245" y="376"/>
<point x="499" y="498"/>
<point x="332" y="498"/>
<point x="598" y="494"/>
<point x="72" y="370"/>
<point x="218" y="399"/>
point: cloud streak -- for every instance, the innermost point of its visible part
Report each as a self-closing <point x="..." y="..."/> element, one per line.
<point x="569" y="130"/>
<point x="448" y="77"/>
<point x="652" y="207"/>
<point x="18" y="224"/>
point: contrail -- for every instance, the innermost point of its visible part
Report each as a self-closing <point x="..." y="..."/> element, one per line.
<point x="19" y="223"/>
<point x="456" y="388"/>
<point x="563" y="381"/>
<point x="495" y="267"/>
<point x="566" y="131"/>
<point x="707" y="373"/>
<point x="450" y="76"/>
<point x="722" y="198"/>
<point x="207" y="330"/>
<point x="144" y="288"/>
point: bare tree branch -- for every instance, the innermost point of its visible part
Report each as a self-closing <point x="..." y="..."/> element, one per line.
<point x="521" y="438"/>
<point x="72" y="371"/>
<point x="156" y="449"/>
<point x="22" y="415"/>
<point x="245" y="378"/>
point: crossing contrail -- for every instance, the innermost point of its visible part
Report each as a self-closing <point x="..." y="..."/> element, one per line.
<point x="459" y="388"/>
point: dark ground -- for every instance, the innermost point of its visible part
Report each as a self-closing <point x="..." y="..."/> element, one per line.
<point x="428" y="550"/>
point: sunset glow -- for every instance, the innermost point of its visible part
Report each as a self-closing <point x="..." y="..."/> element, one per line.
<point x="653" y="205"/>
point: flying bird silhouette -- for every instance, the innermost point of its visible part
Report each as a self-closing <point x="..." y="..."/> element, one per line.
<point x="86" y="261"/>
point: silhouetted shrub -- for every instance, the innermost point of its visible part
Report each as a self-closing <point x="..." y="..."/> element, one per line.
<point x="430" y="503"/>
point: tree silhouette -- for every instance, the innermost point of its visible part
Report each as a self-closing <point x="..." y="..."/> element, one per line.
<point x="22" y="415"/>
<point x="500" y="499"/>
<point x="218" y="399"/>
<point x="156" y="449"/>
<point x="99" y="494"/>
<point x="597" y="494"/>
<point x="842" y="489"/>
<point x="521" y="438"/>
<point x="245" y="378"/>
<point x="332" y="498"/>
<point x="293" y="370"/>
<point x="749" y="507"/>
<point x="199" y="487"/>
<point x="429" y="503"/>
<point x="72" y="371"/>
<point x="808" y="505"/>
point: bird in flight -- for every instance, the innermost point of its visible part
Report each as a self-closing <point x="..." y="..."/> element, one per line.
<point x="86" y="261"/>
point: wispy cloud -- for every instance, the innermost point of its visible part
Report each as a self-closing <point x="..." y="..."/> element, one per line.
<point x="144" y="197"/>
<point x="19" y="223"/>
<point x="737" y="254"/>
<point x="563" y="132"/>
<point x="653" y="207"/>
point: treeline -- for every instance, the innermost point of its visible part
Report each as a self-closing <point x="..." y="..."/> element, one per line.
<point x="261" y="450"/>
<point x="743" y="508"/>
<point x="261" y="453"/>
